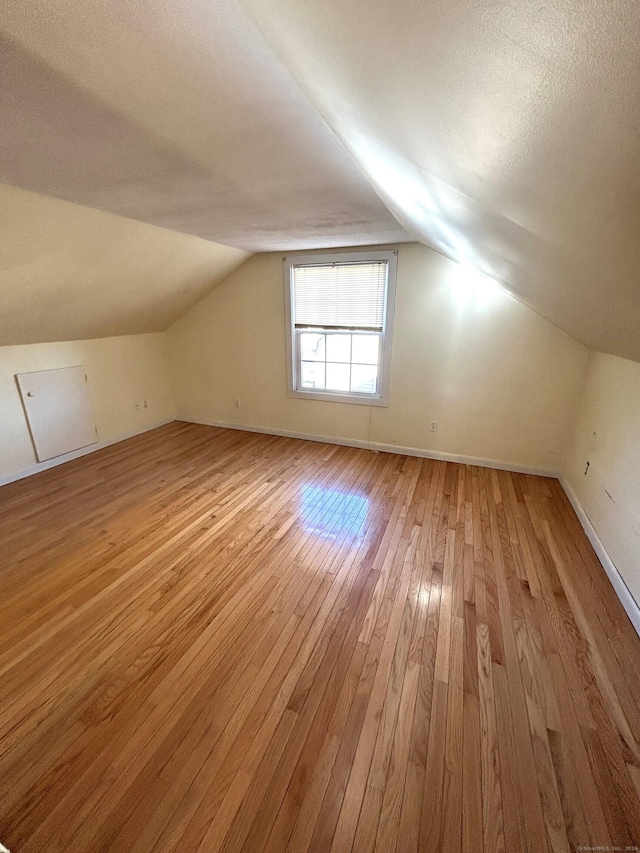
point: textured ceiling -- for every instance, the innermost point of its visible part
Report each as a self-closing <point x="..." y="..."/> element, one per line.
<point x="505" y="134"/>
<point x="176" y="113"/>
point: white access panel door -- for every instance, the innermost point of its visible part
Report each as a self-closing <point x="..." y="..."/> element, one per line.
<point x="58" y="410"/>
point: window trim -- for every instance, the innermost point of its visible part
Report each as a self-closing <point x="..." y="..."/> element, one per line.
<point x="295" y="259"/>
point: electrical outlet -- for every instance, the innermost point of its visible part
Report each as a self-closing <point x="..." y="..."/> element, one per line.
<point x="433" y="426"/>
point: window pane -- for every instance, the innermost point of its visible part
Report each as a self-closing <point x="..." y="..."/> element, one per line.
<point x="366" y="349"/>
<point x="364" y="378"/>
<point x="312" y="374"/>
<point x="339" y="348"/>
<point x="338" y="377"/>
<point x="311" y="346"/>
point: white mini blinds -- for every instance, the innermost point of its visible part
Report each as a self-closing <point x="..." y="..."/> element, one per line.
<point x="339" y="295"/>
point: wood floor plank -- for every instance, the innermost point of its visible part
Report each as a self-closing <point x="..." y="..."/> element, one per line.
<point x="224" y="641"/>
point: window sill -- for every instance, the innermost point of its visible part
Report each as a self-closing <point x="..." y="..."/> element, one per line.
<point x="330" y="397"/>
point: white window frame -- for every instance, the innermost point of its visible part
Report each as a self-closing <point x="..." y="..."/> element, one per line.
<point x="293" y="350"/>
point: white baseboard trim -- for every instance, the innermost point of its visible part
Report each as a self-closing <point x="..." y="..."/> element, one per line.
<point x="382" y="448"/>
<point x="622" y="590"/>
<point x="75" y="454"/>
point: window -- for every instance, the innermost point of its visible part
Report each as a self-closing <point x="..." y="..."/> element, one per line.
<point x="339" y="325"/>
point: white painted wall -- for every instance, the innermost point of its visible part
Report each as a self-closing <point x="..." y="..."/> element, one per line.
<point x="607" y="435"/>
<point x="121" y="372"/>
<point x="502" y="381"/>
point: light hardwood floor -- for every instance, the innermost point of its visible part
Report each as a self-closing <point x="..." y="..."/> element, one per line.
<point x="223" y="641"/>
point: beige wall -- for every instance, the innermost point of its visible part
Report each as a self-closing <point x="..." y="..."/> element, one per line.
<point x="121" y="372"/>
<point x="502" y="381"/>
<point x="607" y="435"/>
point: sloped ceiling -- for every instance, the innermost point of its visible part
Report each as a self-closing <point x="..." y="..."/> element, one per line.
<point x="68" y="272"/>
<point x="505" y="134"/>
<point x="176" y="113"/>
